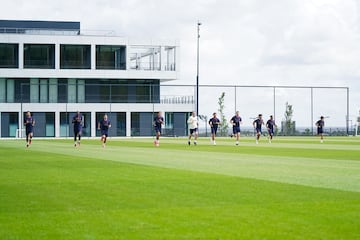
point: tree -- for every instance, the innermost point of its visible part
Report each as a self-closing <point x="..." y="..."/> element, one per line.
<point x="224" y="126"/>
<point x="205" y="119"/>
<point x="288" y="126"/>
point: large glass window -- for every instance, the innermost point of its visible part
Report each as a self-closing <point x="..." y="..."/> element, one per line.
<point x="110" y="57"/>
<point x="34" y="90"/>
<point x="146" y="91"/>
<point x="9" y="124"/>
<point x="66" y="126"/>
<point x="2" y="90"/>
<point x="142" y="123"/>
<point x="119" y="93"/>
<point x="121" y="124"/>
<point x="71" y="90"/>
<point x="170" y="59"/>
<point x="62" y="90"/>
<point x="39" y="56"/>
<point x="45" y="124"/>
<point x="53" y="90"/>
<point x="145" y="57"/>
<point x="44" y="90"/>
<point x="118" y="123"/>
<point x="135" y="124"/>
<point x="9" y="55"/>
<point x="21" y="90"/>
<point x="75" y="56"/>
<point x="10" y="90"/>
<point x="169" y="120"/>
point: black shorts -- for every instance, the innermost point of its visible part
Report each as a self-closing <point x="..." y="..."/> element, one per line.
<point x="194" y="130"/>
<point x="28" y="132"/>
<point x="104" y="132"/>
<point x="77" y="132"/>
<point x="271" y="131"/>
<point x="214" y="130"/>
<point x="320" y="131"/>
<point x="236" y="129"/>
<point x="157" y="129"/>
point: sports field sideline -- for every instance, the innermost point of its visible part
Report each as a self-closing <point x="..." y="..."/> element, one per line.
<point x="294" y="188"/>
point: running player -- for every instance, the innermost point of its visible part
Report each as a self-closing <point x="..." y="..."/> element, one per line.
<point x="193" y="124"/>
<point x="78" y="125"/>
<point x="257" y="125"/>
<point x="320" y="128"/>
<point x="236" y="121"/>
<point x="29" y="123"/>
<point x="158" y="122"/>
<point x="214" y="122"/>
<point x="270" y="124"/>
<point x="104" y="126"/>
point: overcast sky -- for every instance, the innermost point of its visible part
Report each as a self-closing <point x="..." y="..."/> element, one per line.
<point x="243" y="42"/>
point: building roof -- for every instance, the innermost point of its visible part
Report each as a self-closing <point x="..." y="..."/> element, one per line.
<point x="20" y="26"/>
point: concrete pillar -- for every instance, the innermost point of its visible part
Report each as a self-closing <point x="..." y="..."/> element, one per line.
<point x="128" y="124"/>
<point x="93" y="56"/>
<point x="57" y="56"/>
<point x="21" y="55"/>
<point x="93" y="124"/>
<point x="57" y="124"/>
<point x="20" y="124"/>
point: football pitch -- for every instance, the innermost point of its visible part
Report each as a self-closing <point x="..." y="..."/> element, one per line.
<point x="294" y="188"/>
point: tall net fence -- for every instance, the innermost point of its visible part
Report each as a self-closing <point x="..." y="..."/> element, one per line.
<point x="131" y="108"/>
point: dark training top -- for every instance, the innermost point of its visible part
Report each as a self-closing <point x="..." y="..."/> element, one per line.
<point x="29" y="121"/>
<point x="320" y="123"/>
<point x="104" y="125"/>
<point x="258" y="123"/>
<point x="214" y="122"/>
<point x="270" y="124"/>
<point x="158" y="121"/>
<point x="236" y="120"/>
<point x="77" y="121"/>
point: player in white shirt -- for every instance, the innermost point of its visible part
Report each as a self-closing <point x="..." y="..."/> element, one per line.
<point x="193" y="125"/>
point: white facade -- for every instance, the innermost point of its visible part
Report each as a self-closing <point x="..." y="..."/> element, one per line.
<point x="165" y="70"/>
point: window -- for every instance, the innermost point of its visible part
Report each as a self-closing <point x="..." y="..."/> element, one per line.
<point x="2" y="90"/>
<point x="75" y="56"/>
<point x="44" y="90"/>
<point x="146" y="91"/>
<point x="9" y="55"/>
<point x="66" y="126"/>
<point x="170" y="59"/>
<point x="169" y="120"/>
<point x="53" y="90"/>
<point x="110" y="57"/>
<point x="21" y="90"/>
<point x="145" y="58"/>
<point x="135" y="124"/>
<point x="39" y="56"/>
<point x="62" y="90"/>
<point x="9" y="124"/>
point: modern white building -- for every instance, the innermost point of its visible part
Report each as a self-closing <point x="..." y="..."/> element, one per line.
<point x="53" y="69"/>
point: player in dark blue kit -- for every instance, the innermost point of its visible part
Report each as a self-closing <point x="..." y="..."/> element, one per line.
<point x="214" y="122"/>
<point x="29" y="123"/>
<point x="236" y="121"/>
<point x="320" y="128"/>
<point x="257" y="125"/>
<point x="78" y="125"/>
<point x="104" y="126"/>
<point x="158" y="122"/>
<point x="270" y="124"/>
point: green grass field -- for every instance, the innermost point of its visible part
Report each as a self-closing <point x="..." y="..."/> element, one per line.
<point x="294" y="188"/>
